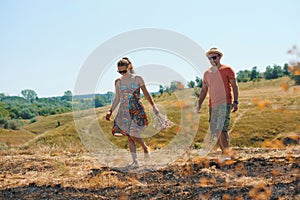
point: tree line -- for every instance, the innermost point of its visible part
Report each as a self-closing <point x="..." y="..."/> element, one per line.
<point x="15" y="109"/>
<point x="177" y="85"/>
<point x="271" y="72"/>
<point x="274" y="72"/>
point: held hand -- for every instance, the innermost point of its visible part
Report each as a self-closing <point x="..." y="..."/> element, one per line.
<point x="155" y="109"/>
<point x="107" y="117"/>
<point x="234" y="107"/>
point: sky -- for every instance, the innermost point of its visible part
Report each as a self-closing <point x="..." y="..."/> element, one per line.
<point x="44" y="44"/>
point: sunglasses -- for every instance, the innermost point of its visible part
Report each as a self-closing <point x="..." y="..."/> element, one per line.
<point x="213" y="57"/>
<point x="122" y="72"/>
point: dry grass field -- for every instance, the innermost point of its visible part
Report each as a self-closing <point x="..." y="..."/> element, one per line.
<point x="45" y="161"/>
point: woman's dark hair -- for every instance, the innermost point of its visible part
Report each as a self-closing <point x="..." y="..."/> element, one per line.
<point x="125" y="58"/>
<point x="126" y="62"/>
<point x="123" y="62"/>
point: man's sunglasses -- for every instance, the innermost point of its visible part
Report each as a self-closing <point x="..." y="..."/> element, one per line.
<point x="213" y="57"/>
<point x="123" y="72"/>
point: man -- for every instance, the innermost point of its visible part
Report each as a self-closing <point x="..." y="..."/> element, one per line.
<point x="219" y="81"/>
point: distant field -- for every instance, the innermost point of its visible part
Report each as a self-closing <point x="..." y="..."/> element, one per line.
<point x="13" y="138"/>
<point x="268" y="109"/>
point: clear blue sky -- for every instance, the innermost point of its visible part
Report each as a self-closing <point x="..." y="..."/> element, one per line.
<point x="44" y="43"/>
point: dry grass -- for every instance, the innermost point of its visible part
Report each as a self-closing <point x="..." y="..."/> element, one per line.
<point x="55" y="165"/>
<point x="267" y="109"/>
<point x="13" y="138"/>
<point x="263" y="173"/>
<point x="48" y="123"/>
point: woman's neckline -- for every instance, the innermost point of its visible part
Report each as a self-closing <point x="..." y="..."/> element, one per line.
<point x="127" y="76"/>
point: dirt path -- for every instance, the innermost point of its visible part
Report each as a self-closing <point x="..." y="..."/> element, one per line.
<point x="254" y="173"/>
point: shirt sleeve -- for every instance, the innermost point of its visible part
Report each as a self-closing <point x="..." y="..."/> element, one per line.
<point x="230" y="73"/>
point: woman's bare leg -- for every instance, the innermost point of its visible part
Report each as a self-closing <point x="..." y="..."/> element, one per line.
<point x="141" y="142"/>
<point x="132" y="148"/>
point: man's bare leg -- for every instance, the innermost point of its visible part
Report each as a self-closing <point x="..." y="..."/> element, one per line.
<point x="223" y="142"/>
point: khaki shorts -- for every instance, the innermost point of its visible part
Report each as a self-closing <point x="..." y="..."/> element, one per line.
<point x="219" y="118"/>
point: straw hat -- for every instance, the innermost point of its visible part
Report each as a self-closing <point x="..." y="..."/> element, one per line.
<point x="214" y="50"/>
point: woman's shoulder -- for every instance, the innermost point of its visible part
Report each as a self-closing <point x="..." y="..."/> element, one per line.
<point x="118" y="80"/>
<point x="137" y="76"/>
<point x="139" y="80"/>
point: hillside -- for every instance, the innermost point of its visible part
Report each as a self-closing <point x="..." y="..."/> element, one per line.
<point x="261" y="104"/>
<point x="46" y="159"/>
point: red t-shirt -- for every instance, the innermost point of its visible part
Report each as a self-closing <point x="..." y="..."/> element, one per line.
<point x="219" y="86"/>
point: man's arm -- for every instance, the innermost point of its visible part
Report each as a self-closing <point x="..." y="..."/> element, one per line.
<point x="235" y="90"/>
<point x="202" y="96"/>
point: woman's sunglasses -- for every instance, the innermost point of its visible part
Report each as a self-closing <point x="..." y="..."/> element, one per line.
<point x="122" y="72"/>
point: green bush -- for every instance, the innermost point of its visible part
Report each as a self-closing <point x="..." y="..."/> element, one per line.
<point x="33" y="120"/>
<point x="3" y="121"/>
<point x="25" y="113"/>
<point x="297" y="79"/>
<point x="13" y="124"/>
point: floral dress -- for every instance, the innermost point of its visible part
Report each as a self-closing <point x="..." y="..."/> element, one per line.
<point x="131" y="118"/>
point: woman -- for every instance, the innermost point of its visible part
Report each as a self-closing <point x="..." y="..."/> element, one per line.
<point x="131" y="118"/>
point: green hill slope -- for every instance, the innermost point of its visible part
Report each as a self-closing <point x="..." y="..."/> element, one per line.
<point x="266" y="109"/>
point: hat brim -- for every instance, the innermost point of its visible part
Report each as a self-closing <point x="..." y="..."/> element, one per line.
<point x="214" y="51"/>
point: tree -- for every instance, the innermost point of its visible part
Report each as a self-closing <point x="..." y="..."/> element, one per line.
<point x="173" y="86"/>
<point x="254" y="74"/>
<point x="29" y="94"/>
<point x="99" y="101"/>
<point x="2" y="95"/>
<point x="268" y="73"/>
<point x="243" y="76"/>
<point x="25" y="113"/>
<point x="286" y="71"/>
<point x="109" y="97"/>
<point x="273" y="72"/>
<point x="3" y="121"/>
<point x="4" y="112"/>
<point x="198" y="82"/>
<point x="67" y="95"/>
<point x="277" y="71"/>
<point x="168" y="90"/>
<point x="161" y="89"/>
<point x="191" y="84"/>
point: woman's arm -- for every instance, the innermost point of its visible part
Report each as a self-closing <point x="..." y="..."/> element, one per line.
<point x="115" y="101"/>
<point x="149" y="98"/>
<point x="142" y="85"/>
<point x="147" y="95"/>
